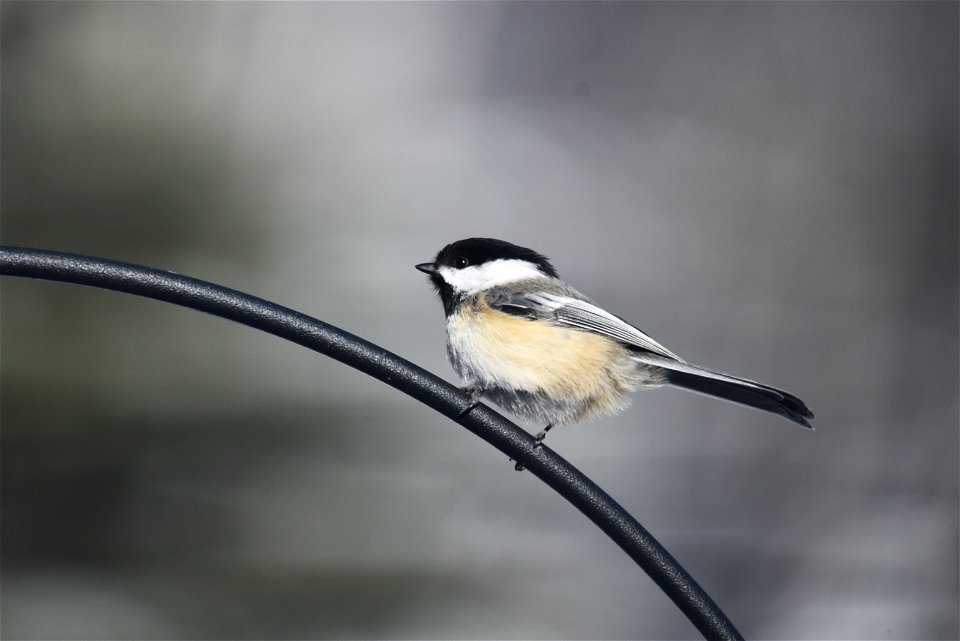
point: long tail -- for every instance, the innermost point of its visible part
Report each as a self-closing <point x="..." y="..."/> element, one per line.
<point x="731" y="388"/>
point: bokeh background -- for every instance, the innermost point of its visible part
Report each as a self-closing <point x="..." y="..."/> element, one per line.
<point x="766" y="188"/>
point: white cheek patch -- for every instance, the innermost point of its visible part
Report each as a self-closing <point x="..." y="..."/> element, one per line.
<point x="476" y="278"/>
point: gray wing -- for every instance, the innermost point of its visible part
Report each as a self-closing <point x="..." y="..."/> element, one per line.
<point x="570" y="311"/>
<point x="554" y="302"/>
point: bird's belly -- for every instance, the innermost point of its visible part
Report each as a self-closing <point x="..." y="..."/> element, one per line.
<point x="540" y="371"/>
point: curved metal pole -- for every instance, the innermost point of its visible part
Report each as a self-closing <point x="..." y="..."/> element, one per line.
<point x="410" y="379"/>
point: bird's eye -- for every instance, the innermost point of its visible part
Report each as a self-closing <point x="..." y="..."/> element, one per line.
<point x="460" y="262"/>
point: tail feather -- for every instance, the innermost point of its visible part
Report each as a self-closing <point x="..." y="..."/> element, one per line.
<point x="731" y="388"/>
<point x="761" y="397"/>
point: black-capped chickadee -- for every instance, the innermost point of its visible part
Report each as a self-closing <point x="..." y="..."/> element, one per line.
<point x="547" y="353"/>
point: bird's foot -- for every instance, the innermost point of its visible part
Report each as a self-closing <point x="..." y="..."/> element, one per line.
<point x="475" y="392"/>
<point x="537" y="443"/>
<point x="542" y="435"/>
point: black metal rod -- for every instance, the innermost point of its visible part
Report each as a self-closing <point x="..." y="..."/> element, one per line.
<point x="410" y="379"/>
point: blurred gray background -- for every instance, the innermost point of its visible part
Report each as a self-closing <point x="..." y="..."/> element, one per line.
<point x="768" y="189"/>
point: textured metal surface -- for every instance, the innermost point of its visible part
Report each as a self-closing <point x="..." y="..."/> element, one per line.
<point x="403" y="375"/>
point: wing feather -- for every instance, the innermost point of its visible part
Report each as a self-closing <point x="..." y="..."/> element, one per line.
<point x="577" y="313"/>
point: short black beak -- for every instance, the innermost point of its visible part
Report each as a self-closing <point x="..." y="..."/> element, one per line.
<point x="427" y="268"/>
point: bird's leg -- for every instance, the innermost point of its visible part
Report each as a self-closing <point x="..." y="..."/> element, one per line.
<point x="475" y="392"/>
<point x="537" y="442"/>
<point x="542" y="435"/>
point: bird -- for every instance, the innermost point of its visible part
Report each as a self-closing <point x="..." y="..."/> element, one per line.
<point x="537" y="347"/>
